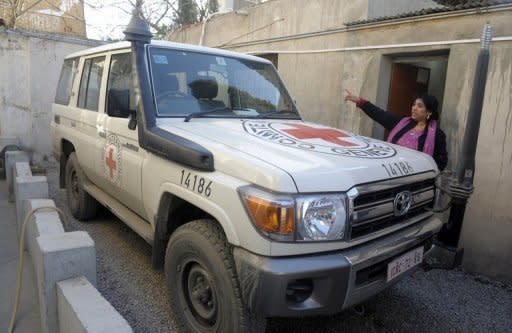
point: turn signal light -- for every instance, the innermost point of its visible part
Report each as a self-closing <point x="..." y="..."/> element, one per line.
<point x="271" y="216"/>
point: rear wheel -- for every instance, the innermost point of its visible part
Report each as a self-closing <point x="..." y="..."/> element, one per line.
<point x="81" y="204"/>
<point x="202" y="282"/>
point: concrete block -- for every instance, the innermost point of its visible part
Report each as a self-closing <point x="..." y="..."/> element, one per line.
<point x="81" y="308"/>
<point x="6" y="141"/>
<point x="60" y="257"/>
<point x="11" y="158"/>
<point x="43" y="222"/>
<point x="33" y="187"/>
<point x="22" y="169"/>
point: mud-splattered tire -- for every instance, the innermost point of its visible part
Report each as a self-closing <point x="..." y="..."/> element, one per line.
<point x="202" y="282"/>
<point x="81" y="204"/>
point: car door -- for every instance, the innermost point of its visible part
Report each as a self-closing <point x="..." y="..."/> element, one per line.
<point x="85" y="114"/>
<point x="122" y="158"/>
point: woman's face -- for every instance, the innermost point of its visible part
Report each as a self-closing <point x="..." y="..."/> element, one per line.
<point x="419" y="111"/>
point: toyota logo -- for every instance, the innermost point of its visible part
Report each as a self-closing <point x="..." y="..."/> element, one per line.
<point x="402" y="203"/>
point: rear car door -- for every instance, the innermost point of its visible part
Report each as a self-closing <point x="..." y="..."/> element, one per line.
<point x="80" y="119"/>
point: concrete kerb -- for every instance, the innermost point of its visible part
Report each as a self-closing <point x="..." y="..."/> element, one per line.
<point x="58" y="255"/>
<point x="31" y="187"/>
<point x="43" y="222"/>
<point x="11" y="158"/>
<point x="80" y="305"/>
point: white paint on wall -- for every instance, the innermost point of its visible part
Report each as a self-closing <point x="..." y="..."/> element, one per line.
<point x="31" y="67"/>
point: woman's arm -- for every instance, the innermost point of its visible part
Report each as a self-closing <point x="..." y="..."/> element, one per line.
<point x="440" y="152"/>
<point x="386" y="119"/>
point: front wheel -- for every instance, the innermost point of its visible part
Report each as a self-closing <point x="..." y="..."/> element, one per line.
<point x="202" y="282"/>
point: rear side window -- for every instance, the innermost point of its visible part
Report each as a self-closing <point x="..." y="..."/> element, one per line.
<point x="65" y="85"/>
<point x="120" y="92"/>
<point x="90" y="84"/>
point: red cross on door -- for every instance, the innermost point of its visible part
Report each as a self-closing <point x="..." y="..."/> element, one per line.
<point x="327" y="134"/>
<point x="111" y="163"/>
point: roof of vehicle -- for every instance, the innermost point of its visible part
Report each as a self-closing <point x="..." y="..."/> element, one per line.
<point x="171" y="45"/>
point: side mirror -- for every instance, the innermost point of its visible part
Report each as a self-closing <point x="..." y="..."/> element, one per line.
<point x="132" y="120"/>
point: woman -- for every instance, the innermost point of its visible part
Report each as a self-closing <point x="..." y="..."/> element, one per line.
<point x="419" y="131"/>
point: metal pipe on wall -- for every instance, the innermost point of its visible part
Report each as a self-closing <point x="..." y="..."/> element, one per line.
<point x="461" y="186"/>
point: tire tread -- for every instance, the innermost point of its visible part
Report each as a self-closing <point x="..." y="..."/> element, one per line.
<point x="212" y="231"/>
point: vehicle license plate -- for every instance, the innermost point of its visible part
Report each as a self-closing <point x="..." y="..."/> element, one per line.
<point x="404" y="262"/>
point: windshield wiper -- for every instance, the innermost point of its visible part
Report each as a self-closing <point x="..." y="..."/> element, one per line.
<point x="266" y="114"/>
<point x="202" y="113"/>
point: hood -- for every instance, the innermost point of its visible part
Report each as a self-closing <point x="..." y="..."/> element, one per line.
<point x="318" y="158"/>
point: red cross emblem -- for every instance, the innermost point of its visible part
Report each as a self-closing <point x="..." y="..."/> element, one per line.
<point x="111" y="163"/>
<point x="327" y="134"/>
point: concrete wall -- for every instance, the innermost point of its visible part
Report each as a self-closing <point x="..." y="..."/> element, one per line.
<point x="30" y="66"/>
<point x="236" y="4"/>
<point x="488" y="224"/>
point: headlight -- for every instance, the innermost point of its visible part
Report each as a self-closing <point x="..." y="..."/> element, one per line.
<point x="297" y="217"/>
<point x="321" y="218"/>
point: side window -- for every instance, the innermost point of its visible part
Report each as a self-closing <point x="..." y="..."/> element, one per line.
<point x="120" y="93"/>
<point x="65" y="84"/>
<point x="89" y="94"/>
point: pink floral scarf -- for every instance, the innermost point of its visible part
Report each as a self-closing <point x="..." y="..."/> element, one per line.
<point x="428" y="148"/>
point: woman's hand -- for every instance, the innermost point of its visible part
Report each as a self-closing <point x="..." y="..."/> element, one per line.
<point x="351" y="97"/>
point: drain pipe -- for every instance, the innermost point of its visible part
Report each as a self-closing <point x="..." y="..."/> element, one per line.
<point x="461" y="185"/>
<point x="241" y="12"/>
<point x="203" y="29"/>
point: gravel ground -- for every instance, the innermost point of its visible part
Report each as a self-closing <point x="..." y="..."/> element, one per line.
<point x="434" y="301"/>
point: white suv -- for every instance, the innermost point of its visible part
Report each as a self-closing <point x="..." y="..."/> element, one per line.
<point x="252" y="211"/>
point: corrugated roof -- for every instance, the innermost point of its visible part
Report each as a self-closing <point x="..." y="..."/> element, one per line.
<point x="470" y="4"/>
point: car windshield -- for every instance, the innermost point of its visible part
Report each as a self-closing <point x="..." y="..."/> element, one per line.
<point x="193" y="84"/>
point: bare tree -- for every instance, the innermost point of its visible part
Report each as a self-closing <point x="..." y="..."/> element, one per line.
<point x="161" y="15"/>
<point x="16" y="8"/>
<point x="157" y="13"/>
<point x="206" y="8"/>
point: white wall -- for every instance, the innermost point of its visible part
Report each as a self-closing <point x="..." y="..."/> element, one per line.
<point x="30" y="66"/>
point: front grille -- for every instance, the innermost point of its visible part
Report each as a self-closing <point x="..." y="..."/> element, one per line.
<point x="373" y="211"/>
<point x="369" y="198"/>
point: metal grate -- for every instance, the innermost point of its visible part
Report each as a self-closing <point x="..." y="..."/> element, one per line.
<point x="381" y="201"/>
<point x="369" y="198"/>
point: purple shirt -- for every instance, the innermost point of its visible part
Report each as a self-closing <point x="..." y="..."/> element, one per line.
<point x="410" y="139"/>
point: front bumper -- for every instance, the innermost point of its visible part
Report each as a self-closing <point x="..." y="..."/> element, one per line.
<point x="326" y="283"/>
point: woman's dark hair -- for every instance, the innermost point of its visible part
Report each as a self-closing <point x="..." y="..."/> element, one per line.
<point x="431" y="104"/>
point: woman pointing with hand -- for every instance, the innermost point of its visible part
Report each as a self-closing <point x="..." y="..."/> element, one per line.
<point x="419" y="131"/>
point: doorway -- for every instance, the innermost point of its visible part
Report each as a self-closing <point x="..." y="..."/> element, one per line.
<point x="404" y="76"/>
<point x="407" y="81"/>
